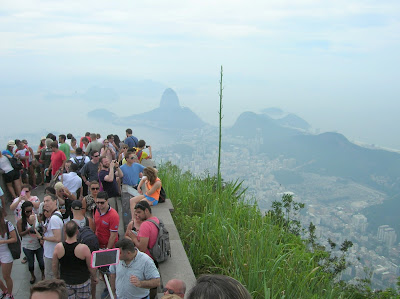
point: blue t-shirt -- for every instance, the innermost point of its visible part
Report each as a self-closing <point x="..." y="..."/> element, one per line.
<point x="7" y="152"/>
<point x="131" y="173"/>
<point x="131" y="141"/>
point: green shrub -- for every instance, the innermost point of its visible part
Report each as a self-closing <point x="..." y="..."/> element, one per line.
<point x="224" y="234"/>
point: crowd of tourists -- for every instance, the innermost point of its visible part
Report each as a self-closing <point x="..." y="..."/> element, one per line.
<point x="98" y="195"/>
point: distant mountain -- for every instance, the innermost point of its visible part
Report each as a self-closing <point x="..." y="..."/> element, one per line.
<point x="326" y="154"/>
<point x="292" y="120"/>
<point x="170" y="115"/>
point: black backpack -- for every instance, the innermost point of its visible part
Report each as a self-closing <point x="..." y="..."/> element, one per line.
<point x="80" y="164"/>
<point x="162" y="196"/>
<point x="162" y="248"/>
<point x="15" y="248"/>
<point x="88" y="237"/>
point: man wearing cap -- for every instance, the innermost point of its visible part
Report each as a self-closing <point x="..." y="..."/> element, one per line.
<point x="9" y="151"/>
<point x="106" y="221"/>
<point x="79" y="218"/>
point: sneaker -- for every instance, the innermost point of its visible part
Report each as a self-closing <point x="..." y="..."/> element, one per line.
<point x="9" y="296"/>
<point x="2" y="294"/>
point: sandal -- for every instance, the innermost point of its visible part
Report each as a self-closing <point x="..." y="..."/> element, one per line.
<point x="32" y="281"/>
<point x="24" y="260"/>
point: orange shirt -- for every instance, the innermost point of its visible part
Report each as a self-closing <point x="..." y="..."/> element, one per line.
<point x="156" y="194"/>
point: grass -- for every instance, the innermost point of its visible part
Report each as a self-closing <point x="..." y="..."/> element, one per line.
<point x="223" y="234"/>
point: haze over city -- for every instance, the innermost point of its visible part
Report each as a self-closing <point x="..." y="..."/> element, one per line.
<point x="334" y="64"/>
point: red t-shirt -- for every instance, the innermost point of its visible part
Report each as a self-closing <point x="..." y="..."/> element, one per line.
<point x="105" y="224"/>
<point x="57" y="159"/>
<point x="81" y="143"/>
<point x="149" y="230"/>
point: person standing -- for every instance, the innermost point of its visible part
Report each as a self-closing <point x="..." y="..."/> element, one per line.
<point x="130" y="140"/>
<point x="106" y="221"/>
<point x="89" y="201"/>
<point x="131" y="171"/>
<point x="58" y="159"/>
<point x="30" y="242"/>
<point x="6" y="259"/>
<point x="24" y="196"/>
<point x="135" y="275"/>
<point x="90" y="170"/>
<point x="52" y="234"/>
<point x="109" y="171"/>
<point x="11" y="176"/>
<point x="45" y="158"/>
<point x="64" y="147"/>
<point x="107" y="151"/>
<point x="94" y="145"/>
<point x="74" y="261"/>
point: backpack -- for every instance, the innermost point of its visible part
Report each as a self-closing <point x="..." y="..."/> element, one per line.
<point x="162" y="248"/>
<point x="15" y="163"/>
<point x="15" y="248"/>
<point x="80" y="164"/>
<point x="88" y="237"/>
<point x="162" y="196"/>
<point x="139" y="154"/>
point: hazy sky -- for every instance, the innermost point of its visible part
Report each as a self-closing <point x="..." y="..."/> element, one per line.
<point x="334" y="63"/>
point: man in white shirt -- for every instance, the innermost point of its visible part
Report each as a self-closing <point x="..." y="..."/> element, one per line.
<point x="52" y="234"/>
<point x="71" y="180"/>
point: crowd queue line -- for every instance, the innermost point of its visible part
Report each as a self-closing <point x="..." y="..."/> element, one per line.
<point x="90" y="190"/>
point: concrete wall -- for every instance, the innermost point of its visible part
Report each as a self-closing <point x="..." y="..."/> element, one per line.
<point x="178" y="265"/>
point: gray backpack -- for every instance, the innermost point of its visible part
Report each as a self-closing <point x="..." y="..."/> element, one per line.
<point x="161" y="249"/>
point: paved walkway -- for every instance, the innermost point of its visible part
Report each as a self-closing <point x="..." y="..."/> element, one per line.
<point x="20" y="273"/>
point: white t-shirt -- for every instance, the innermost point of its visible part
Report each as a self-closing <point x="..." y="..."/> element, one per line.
<point x="5" y="164"/>
<point x="4" y="247"/>
<point x="55" y="222"/>
<point x="17" y="211"/>
<point x="71" y="181"/>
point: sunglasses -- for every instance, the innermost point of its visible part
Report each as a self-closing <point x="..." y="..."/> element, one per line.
<point x="28" y="212"/>
<point x="169" y="291"/>
<point x="96" y="156"/>
<point x="100" y="202"/>
<point x="94" y="188"/>
<point x="132" y="158"/>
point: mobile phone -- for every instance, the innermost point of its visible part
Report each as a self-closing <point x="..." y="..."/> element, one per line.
<point x="135" y="232"/>
<point x="106" y="257"/>
<point x="23" y="193"/>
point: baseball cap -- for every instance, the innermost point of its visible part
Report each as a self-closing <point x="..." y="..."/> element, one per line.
<point x="76" y="205"/>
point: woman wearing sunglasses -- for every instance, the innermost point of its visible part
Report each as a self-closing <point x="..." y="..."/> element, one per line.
<point x="30" y="243"/>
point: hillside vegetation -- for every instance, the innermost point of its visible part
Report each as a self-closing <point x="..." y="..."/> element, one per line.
<point x="223" y="234"/>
